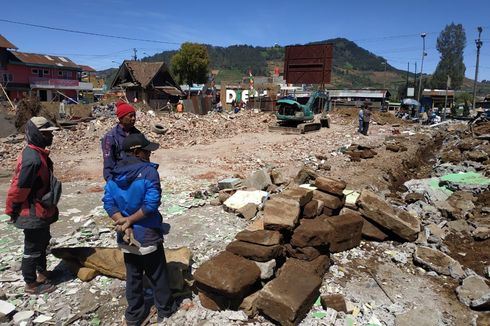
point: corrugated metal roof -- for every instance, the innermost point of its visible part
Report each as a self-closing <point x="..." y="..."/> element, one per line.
<point x="143" y="72"/>
<point x="438" y="92"/>
<point x="367" y="93"/>
<point x="4" y="43"/>
<point x="44" y="59"/>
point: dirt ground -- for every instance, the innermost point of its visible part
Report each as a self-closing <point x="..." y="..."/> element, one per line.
<point x="207" y="229"/>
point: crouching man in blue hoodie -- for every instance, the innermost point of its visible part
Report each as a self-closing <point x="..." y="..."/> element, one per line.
<point x="132" y="197"/>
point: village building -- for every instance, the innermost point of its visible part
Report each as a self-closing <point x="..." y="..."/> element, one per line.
<point x="48" y="77"/>
<point x="148" y="82"/>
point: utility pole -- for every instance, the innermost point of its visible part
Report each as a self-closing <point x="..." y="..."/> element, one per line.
<point x="408" y="71"/>
<point x="415" y="79"/>
<point x="479" y="43"/>
<point x="423" y="35"/>
<point x="134" y="55"/>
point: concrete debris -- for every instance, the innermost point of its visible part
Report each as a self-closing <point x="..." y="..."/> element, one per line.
<point x="230" y="183"/>
<point x="438" y="261"/>
<point x="267" y="269"/>
<point x="258" y="180"/>
<point x="244" y="197"/>
<point x="399" y="222"/>
<point x="474" y="292"/>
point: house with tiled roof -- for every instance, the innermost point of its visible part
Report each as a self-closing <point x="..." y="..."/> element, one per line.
<point x="46" y="76"/>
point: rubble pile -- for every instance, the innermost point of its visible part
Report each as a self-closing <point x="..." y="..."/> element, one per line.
<point x="181" y="129"/>
<point x="290" y="243"/>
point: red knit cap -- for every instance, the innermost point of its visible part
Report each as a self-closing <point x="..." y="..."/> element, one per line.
<point x="123" y="108"/>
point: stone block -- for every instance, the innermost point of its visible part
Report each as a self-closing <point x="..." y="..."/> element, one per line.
<point x="227" y="274"/>
<point x="281" y="213"/>
<point x="330" y="185"/>
<point x="217" y="302"/>
<point x="372" y="232"/>
<point x="311" y="209"/>
<point x="347" y="231"/>
<point x="248" y="211"/>
<point x="327" y="211"/>
<point x="248" y="305"/>
<point x="259" y="180"/>
<point x="260" y="237"/>
<point x="334" y="301"/>
<point x="254" y="251"/>
<point x="312" y="233"/>
<point x="474" y="292"/>
<point x="330" y="201"/>
<point x="306" y="253"/>
<point x="301" y="195"/>
<point x="277" y="177"/>
<point x="318" y="266"/>
<point x="377" y="210"/>
<point x="288" y="298"/>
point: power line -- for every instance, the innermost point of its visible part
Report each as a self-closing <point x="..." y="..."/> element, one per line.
<point x="85" y="33"/>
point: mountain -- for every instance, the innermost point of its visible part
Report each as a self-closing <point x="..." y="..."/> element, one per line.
<point x="353" y="66"/>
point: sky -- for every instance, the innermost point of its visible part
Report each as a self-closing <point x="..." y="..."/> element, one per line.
<point x="387" y="28"/>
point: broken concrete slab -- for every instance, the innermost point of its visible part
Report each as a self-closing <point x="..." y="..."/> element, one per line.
<point x="258" y="180"/>
<point x="254" y="251"/>
<point x="230" y="183"/>
<point x="329" y="201"/>
<point x="347" y="231"/>
<point x="333" y="301"/>
<point x="351" y="198"/>
<point x="377" y="210"/>
<point x="287" y="298"/>
<point x="227" y="274"/>
<point x="430" y="188"/>
<point x="474" y="292"/>
<point x="438" y="262"/>
<point x="312" y="233"/>
<point x="413" y="197"/>
<point x="248" y="211"/>
<point x="468" y="181"/>
<point x="281" y="213"/>
<point x="420" y="316"/>
<point x="244" y="197"/>
<point x="481" y="233"/>
<point x="266" y="269"/>
<point x="459" y="226"/>
<point x="6" y="308"/>
<point x="301" y="195"/>
<point x="330" y="185"/>
<point x="260" y="237"/>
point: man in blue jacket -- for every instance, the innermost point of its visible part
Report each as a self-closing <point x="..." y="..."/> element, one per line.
<point x="132" y="197"/>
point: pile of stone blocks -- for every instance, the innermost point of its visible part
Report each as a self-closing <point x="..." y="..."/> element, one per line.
<point x="277" y="270"/>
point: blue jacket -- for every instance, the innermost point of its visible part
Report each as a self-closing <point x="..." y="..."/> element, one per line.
<point x="135" y="184"/>
<point x="112" y="151"/>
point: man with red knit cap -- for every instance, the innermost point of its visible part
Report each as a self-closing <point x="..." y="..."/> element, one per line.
<point x="112" y="149"/>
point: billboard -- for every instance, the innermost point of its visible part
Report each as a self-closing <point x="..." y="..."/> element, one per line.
<point x="308" y="64"/>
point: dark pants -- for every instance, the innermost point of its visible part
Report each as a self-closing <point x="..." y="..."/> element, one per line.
<point x="36" y="242"/>
<point x="154" y="267"/>
<point x="361" y="125"/>
<point x="365" y="127"/>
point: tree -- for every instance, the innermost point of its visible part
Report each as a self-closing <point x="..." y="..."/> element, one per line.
<point x="450" y="43"/>
<point x="190" y="64"/>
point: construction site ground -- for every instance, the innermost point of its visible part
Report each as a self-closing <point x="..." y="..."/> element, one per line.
<point x="368" y="276"/>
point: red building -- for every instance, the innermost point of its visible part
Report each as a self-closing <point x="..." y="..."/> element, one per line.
<point x="48" y="77"/>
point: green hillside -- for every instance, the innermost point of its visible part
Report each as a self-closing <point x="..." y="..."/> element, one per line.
<point x="353" y="66"/>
